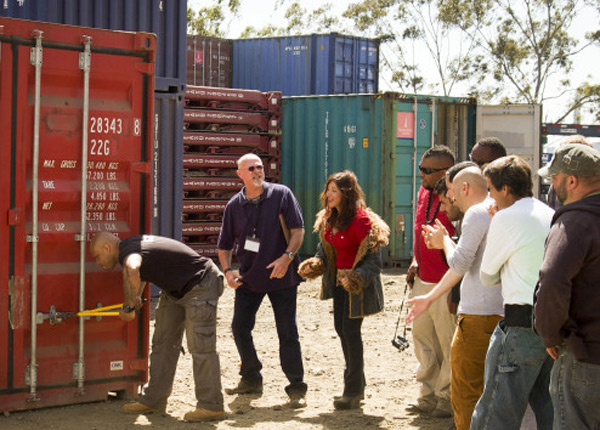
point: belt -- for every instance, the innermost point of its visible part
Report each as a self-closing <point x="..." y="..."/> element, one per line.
<point x="518" y="316"/>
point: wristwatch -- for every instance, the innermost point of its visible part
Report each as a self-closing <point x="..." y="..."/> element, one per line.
<point x="127" y="309"/>
<point x="290" y="254"/>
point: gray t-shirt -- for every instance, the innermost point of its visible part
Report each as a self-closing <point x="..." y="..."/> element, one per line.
<point x="475" y="298"/>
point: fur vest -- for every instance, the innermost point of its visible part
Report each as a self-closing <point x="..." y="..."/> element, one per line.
<point x="365" y="285"/>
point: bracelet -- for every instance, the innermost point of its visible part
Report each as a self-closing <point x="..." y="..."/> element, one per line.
<point x="227" y="270"/>
<point x="128" y="309"/>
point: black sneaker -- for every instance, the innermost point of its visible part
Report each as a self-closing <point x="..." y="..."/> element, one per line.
<point x="245" y="387"/>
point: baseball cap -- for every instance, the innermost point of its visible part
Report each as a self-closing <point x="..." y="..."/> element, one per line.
<point x="573" y="159"/>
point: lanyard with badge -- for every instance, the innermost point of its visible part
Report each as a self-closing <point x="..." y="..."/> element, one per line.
<point x="252" y="243"/>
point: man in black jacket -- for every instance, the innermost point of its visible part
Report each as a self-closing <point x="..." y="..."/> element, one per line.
<point x="567" y="297"/>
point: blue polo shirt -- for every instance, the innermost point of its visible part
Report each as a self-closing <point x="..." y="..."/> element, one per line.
<point x="243" y="219"/>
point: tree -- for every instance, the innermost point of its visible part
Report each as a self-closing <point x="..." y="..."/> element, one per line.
<point x="405" y="26"/>
<point x="525" y="47"/>
<point x="208" y="20"/>
<point x="299" y="21"/>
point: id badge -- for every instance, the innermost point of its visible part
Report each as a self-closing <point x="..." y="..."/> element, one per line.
<point x="252" y="244"/>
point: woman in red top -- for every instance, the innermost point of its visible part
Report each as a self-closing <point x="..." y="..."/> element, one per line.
<point x="349" y="259"/>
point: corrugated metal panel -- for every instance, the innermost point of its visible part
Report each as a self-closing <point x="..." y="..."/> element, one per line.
<point x="168" y="164"/>
<point x="324" y="135"/>
<point x="519" y="128"/>
<point x="380" y="139"/>
<point x="209" y="61"/>
<point x="94" y="157"/>
<point x="168" y="19"/>
<point x="307" y="65"/>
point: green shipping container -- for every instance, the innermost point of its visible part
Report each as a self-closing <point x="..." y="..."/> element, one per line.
<point x="381" y="137"/>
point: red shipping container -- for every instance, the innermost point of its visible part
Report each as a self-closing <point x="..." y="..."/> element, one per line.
<point x="76" y="131"/>
<point x="209" y="61"/>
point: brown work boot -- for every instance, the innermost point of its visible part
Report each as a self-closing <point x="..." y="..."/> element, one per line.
<point x="203" y="415"/>
<point x="297" y="401"/>
<point x="245" y="387"/>
<point x="139" y="409"/>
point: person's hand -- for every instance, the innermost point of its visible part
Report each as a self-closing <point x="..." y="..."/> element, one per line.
<point x="279" y="266"/>
<point x="419" y="304"/>
<point x="411" y="273"/>
<point x="492" y="209"/>
<point x="234" y="279"/>
<point x="434" y="235"/>
<point x="342" y="278"/>
<point x="139" y="302"/>
<point x="452" y="306"/>
<point x="553" y="352"/>
<point x="126" y="316"/>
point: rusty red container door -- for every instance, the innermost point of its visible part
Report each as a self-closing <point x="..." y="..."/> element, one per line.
<point x="104" y="94"/>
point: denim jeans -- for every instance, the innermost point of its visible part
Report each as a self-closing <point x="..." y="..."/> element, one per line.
<point x="575" y="391"/>
<point x="196" y="315"/>
<point x="348" y="329"/>
<point x="517" y="372"/>
<point x="290" y="356"/>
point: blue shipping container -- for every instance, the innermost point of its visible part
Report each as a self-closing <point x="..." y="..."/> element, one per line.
<point x="307" y="65"/>
<point x="167" y="196"/>
<point x="167" y="19"/>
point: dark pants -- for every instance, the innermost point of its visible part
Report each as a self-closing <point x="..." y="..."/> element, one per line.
<point x="348" y="329"/>
<point x="290" y="356"/>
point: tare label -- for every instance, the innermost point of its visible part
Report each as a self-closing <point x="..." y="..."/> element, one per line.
<point x="116" y="365"/>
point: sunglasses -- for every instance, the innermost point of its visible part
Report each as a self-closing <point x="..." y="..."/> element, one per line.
<point x="478" y="162"/>
<point x="258" y="167"/>
<point x="430" y="170"/>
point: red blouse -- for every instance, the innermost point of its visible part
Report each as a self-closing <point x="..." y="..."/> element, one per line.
<point x="346" y="242"/>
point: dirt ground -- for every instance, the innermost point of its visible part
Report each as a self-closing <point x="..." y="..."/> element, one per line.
<point x="390" y="378"/>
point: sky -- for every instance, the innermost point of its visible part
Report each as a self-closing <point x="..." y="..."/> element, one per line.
<point x="258" y="13"/>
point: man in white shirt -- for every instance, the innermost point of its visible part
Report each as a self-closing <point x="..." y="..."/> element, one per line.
<point x="517" y="368"/>
<point x="480" y="307"/>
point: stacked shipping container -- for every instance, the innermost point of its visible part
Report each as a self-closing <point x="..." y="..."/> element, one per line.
<point x="209" y="61"/>
<point x="295" y="65"/>
<point x="220" y="125"/>
<point x="76" y="131"/>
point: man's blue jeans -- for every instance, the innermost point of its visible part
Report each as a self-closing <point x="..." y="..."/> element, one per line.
<point x="575" y="391"/>
<point x="517" y="372"/>
<point x="244" y="317"/>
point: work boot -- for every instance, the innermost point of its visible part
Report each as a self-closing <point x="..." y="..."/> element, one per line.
<point x="203" y="415"/>
<point x="297" y="401"/>
<point x="245" y="387"/>
<point x="139" y="409"/>
<point x="348" y="402"/>
<point x="420" y="408"/>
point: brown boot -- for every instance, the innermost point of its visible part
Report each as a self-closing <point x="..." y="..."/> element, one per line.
<point x="203" y="415"/>
<point x="139" y="409"/>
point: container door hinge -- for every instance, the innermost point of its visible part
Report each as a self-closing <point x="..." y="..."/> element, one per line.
<point x="142" y="168"/>
<point x="29" y="374"/>
<point x="35" y="54"/>
<point x="15" y="216"/>
<point x="401" y="226"/>
<point x="78" y="370"/>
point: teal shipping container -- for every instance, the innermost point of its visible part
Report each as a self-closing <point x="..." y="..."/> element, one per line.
<point x="381" y="137"/>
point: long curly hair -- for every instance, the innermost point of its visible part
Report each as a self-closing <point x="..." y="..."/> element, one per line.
<point x="353" y="198"/>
